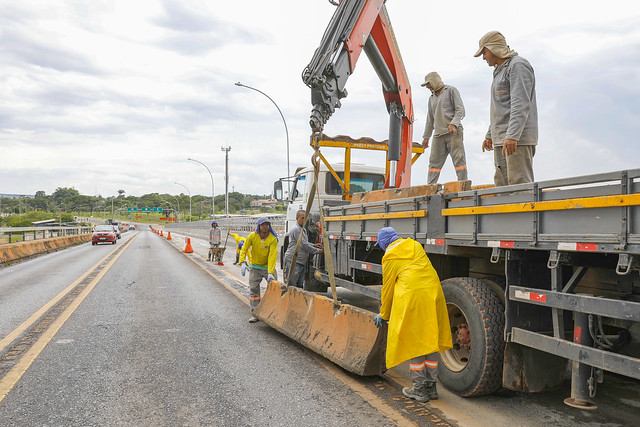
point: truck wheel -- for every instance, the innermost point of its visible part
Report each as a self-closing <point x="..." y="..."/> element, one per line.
<point x="473" y="366"/>
<point x="314" y="285"/>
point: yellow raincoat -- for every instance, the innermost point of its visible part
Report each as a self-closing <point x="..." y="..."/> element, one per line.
<point x="239" y="239"/>
<point x="413" y="303"/>
<point x="264" y="253"/>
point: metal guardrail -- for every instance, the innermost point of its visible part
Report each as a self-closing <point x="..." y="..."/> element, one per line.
<point x="242" y="225"/>
<point x="19" y="234"/>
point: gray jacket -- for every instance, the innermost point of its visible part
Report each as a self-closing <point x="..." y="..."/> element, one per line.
<point x="444" y="109"/>
<point x="306" y="248"/>
<point x="214" y="236"/>
<point x="514" y="112"/>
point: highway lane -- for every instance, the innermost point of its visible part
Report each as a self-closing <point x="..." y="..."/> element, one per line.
<point x="157" y="342"/>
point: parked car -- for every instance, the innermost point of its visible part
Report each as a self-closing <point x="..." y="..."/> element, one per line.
<point x="104" y="234"/>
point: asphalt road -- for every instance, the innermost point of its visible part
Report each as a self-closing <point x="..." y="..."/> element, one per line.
<point x="156" y="342"/>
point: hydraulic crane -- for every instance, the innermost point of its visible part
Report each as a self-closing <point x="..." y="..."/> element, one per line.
<point x="359" y="25"/>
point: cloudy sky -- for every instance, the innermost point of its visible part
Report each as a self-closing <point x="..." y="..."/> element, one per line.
<point x="105" y="95"/>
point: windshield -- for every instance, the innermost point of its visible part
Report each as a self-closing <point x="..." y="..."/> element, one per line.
<point x="360" y="182"/>
<point x="104" y="228"/>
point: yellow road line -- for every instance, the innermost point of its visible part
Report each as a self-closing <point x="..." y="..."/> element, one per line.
<point x="14" y="375"/>
<point x="408" y="214"/>
<point x="31" y="320"/>
<point x="550" y="205"/>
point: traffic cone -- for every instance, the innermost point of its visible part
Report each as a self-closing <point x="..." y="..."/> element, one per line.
<point x="168" y="235"/>
<point x="161" y="233"/>
<point x="187" y="248"/>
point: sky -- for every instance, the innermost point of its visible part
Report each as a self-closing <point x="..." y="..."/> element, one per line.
<point x="107" y="95"/>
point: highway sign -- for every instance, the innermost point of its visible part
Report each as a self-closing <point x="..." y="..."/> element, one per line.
<point x="145" y="209"/>
<point x="157" y="209"/>
<point x="132" y="209"/>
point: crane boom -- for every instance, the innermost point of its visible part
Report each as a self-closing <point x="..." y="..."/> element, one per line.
<point x="356" y="26"/>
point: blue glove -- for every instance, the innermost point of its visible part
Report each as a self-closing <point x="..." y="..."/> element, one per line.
<point x="270" y="277"/>
<point x="243" y="268"/>
<point x="377" y="320"/>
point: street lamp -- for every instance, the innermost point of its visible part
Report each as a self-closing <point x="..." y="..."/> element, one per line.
<point x="285" y="127"/>
<point x="178" y="202"/>
<point x="213" y="204"/>
<point x="185" y="187"/>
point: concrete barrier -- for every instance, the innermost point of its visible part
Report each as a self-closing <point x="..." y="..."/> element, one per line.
<point x="15" y="251"/>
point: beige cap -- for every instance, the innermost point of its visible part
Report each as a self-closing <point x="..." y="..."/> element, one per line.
<point x="496" y="43"/>
<point x="435" y="80"/>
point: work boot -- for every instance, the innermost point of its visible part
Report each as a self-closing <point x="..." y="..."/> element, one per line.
<point x="413" y="393"/>
<point x="431" y="390"/>
<point x="253" y="319"/>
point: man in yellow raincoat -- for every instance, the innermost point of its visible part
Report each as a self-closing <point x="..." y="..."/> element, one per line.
<point x="413" y="303"/>
<point x="239" y="243"/>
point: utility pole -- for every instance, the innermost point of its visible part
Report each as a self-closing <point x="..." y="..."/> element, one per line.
<point x="226" y="180"/>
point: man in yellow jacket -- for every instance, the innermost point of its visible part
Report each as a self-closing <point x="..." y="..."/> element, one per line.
<point x="413" y="303"/>
<point x="263" y="244"/>
<point x="239" y="243"/>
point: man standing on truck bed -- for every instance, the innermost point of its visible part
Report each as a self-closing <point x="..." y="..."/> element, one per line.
<point x="296" y="276"/>
<point x="263" y="244"/>
<point x="445" y="114"/>
<point x="413" y="303"/>
<point x="513" y="128"/>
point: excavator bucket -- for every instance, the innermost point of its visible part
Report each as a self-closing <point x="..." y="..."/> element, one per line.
<point x="346" y="335"/>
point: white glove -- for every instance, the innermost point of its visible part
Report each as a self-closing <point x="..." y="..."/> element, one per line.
<point x="270" y="277"/>
<point x="243" y="268"/>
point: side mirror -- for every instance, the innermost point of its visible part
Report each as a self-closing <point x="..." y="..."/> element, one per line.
<point x="277" y="191"/>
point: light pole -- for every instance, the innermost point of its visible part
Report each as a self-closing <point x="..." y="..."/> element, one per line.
<point x="213" y="203"/>
<point x="178" y="202"/>
<point x="285" y="127"/>
<point x="185" y="187"/>
<point x="226" y="180"/>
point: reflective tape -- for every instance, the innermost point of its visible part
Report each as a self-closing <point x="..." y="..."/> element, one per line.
<point x="531" y="296"/>
<point x="416" y="367"/>
<point x="500" y="244"/>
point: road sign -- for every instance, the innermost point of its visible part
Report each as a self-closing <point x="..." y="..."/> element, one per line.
<point x="157" y="209"/>
<point x="132" y="209"/>
<point x="145" y="209"/>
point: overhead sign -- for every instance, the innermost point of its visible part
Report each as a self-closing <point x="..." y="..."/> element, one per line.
<point x="157" y="209"/>
<point x="132" y="209"/>
<point x="150" y="209"/>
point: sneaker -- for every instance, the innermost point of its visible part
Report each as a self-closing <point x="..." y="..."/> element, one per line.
<point x="253" y="319"/>
<point x="412" y="393"/>
<point x="431" y="391"/>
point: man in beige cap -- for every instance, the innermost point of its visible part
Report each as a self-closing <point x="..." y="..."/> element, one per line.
<point x="513" y="128"/>
<point x="445" y="113"/>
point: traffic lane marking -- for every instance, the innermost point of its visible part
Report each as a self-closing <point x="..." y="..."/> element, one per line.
<point x="38" y="314"/>
<point x="13" y="376"/>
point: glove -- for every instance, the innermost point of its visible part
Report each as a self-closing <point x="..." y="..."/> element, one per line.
<point x="243" y="268"/>
<point x="270" y="277"/>
<point x="377" y="320"/>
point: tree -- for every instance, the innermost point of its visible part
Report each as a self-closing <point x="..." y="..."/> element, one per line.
<point x="40" y="194"/>
<point x="121" y="193"/>
<point x="62" y="194"/>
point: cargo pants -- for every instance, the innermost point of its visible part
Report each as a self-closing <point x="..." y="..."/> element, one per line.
<point x="443" y="146"/>
<point x="516" y="168"/>
<point x="255" y="278"/>
<point x="424" y="370"/>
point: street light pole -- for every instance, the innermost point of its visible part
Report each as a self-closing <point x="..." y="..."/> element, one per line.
<point x="178" y="202"/>
<point x="185" y="187"/>
<point x="285" y="127"/>
<point x="226" y="180"/>
<point x="213" y="203"/>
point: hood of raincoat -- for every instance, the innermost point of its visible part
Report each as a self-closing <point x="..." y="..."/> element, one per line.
<point x="435" y="80"/>
<point x="496" y="43"/>
<point x="404" y="249"/>
<point x="386" y="236"/>
<point x="262" y="221"/>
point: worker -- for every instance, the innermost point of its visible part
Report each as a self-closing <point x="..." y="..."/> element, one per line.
<point x="299" y="271"/>
<point x="513" y="124"/>
<point x="444" y="117"/>
<point x="214" y="240"/>
<point x="263" y="244"/>
<point x="412" y="302"/>
<point x="239" y="242"/>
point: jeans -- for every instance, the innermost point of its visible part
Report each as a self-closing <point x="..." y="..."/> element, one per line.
<point x="297" y="275"/>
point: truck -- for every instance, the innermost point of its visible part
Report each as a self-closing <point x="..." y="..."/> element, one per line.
<point x="536" y="275"/>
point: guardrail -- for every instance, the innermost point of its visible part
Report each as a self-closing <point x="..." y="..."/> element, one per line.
<point x="242" y="225"/>
<point x="19" y="234"/>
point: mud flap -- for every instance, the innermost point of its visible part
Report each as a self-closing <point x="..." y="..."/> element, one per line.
<point x="345" y="335"/>
<point x="531" y="370"/>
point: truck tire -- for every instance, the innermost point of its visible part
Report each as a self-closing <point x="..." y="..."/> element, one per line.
<point x="314" y="285"/>
<point x="473" y="366"/>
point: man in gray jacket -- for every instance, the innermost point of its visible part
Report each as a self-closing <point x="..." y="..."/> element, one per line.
<point x="296" y="277"/>
<point x="513" y="128"/>
<point x="445" y="113"/>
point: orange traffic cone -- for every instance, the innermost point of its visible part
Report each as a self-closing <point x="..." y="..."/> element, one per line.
<point x="187" y="248"/>
<point x="161" y="233"/>
<point x="168" y="235"/>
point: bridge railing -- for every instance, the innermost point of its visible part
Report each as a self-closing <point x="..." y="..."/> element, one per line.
<point x="243" y="225"/>
<point x="19" y="234"/>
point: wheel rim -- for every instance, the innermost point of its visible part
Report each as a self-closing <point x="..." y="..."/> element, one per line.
<point x="457" y="358"/>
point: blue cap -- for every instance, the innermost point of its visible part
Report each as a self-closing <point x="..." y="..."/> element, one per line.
<point x="214" y="222"/>
<point x="386" y="236"/>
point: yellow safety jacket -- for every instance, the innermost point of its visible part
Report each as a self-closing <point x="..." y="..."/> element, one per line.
<point x="264" y="253"/>
<point x="238" y="240"/>
<point x="413" y="303"/>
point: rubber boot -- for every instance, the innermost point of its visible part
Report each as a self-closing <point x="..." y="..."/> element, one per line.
<point x="432" y="392"/>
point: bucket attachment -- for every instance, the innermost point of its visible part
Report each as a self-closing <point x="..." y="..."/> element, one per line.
<point x="345" y="334"/>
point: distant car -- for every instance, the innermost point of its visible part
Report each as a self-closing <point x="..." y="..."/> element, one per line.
<point x="116" y="229"/>
<point x="132" y="227"/>
<point x="104" y="234"/>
